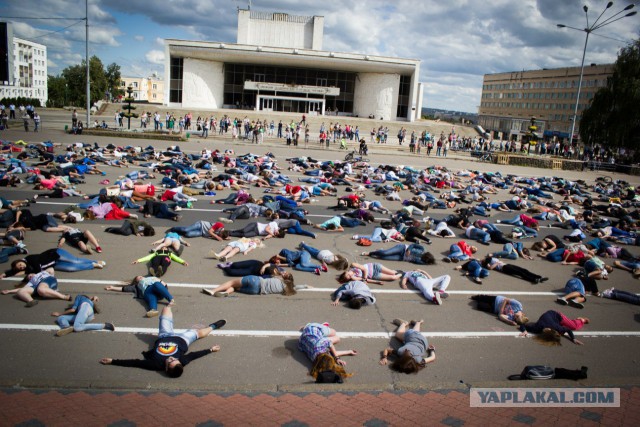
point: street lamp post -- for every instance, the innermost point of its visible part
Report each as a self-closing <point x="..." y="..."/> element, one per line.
<point x="588" y="30"/>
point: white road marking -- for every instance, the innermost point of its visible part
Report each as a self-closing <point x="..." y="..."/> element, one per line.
<point x="374" y="290"/>
<point x="270" y="334"/>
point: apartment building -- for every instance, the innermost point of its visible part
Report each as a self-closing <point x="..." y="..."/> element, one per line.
<point x="509" y="100"/>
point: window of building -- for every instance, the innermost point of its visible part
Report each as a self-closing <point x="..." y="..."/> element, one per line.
<point x="175" y="79"/>
<point x="155" y="86"/>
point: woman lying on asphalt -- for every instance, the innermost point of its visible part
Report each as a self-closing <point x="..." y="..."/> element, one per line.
<point x="318" y="342"/>
<point x="552" y="326"/>
<point x="280" y="283"/>
<point x="151" y="289"/>
<point x="42" y="284"/>
<point x="410" y="357"/>
<point x="371" y="272"/>
<point x="508" y="310"/>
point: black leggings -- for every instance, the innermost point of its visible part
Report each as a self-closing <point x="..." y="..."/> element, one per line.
<point x="160" y="260"/>
<point x="414" y="233"/>
<point x="485" y="303"/>
<point x="241" y="212"/>
<point x="250" y="267"/>
<point x="523" y="273"/>
<point x="126" y="229"/>
<point x="250" y="230"/>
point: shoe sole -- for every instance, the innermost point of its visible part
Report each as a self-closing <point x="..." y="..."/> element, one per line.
<point x="63" y="332"/>
<point x="152" y="314"/>
<point x="220" y="294"/>
<point x="398" y="322"/>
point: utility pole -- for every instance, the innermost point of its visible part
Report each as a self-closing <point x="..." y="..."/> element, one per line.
<point x="86" y="21"/>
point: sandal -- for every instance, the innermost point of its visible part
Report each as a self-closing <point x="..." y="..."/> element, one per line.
<point x="207" y="292"/>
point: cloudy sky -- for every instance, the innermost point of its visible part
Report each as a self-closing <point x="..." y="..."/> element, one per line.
<point x="458" y="41"/>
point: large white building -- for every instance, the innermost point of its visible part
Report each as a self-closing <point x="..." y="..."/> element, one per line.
<point x="23" y="67"/>
<point x="278" y="64"/>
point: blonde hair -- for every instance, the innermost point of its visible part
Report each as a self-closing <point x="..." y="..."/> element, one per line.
<point x="326" y="362"/>
<point x="549" y="338"/>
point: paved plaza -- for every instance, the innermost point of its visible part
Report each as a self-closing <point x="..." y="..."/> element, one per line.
<point x="259" y="377"/>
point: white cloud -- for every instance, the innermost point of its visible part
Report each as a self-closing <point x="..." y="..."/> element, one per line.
<point x="138" y="38"/>
<point x="458" y="41"/>
<point x="155" y="56"/>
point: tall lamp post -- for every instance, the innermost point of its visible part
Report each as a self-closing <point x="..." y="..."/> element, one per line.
<point x="596" y="25"/>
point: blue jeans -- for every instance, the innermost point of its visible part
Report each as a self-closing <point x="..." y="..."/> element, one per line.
<point x="5" y="253"/>
<point x="297" y="229"/>
<point x="480" y="235"/>
<point x="80" y="319"/>
<point x="194" y="230"/>
<point x="395" y="253"/>
<point x="156" y="292"/>
<point x="556" y="255"/>
<point x="165" y="329"/>
<point x="349" y="222"/>
<point x="313" y="251"/>
<point x="514" y="221"/>
<point x="68" y="262"/>
<point x="490" y="227"/>
<point x="508" y="251"/>
<point x="303" y="263"/>
<point x="625" y="296"/>
<point x="250" y="285"/>
<point x="475" y="270"/>
<point x="456" y="253"/>
<point x="376" y="236"/>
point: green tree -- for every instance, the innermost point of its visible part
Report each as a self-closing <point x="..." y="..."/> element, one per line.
<point x="613" y="118"/>
<point x="76" y="79"/>
<point x="56" y="91"/>
<point x="113" y="80"/>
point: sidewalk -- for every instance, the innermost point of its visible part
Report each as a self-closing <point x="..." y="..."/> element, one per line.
<point x="447" y="408"/>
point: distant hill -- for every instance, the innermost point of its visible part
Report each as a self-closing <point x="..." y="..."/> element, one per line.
<point x="449" y="114"/>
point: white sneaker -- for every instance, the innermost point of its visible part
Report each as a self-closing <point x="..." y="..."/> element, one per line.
<point x="178" y="209"/>
<point x="437" y="299"/>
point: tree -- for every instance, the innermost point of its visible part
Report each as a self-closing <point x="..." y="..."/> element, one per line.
<point x="613" y="118"/>
<point x="113" y="80"/>
<point x="57" y="91"/>
<point x="76" y="78"/>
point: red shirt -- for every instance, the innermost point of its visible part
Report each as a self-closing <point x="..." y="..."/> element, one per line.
<point x="466" y="249"/>
<point x="528" y="221"/>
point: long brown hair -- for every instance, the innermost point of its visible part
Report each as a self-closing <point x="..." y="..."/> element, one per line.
<point x="549" y="337"/>
<point x="326" y="362"/>
<point x="339" y="262"/>
<point x="407" y="364"/>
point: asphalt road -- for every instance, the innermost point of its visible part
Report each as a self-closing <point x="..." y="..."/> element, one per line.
<point x="259" y="342"/>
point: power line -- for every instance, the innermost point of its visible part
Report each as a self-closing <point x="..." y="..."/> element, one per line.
<point x="30" y="17"/>
<point x="57" y="31"/>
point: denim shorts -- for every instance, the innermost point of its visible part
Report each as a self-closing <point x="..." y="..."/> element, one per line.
<point x="574" y="285"/>
<point x="250" y="285"/>
<point x="166" y="330"/>
<point x="376" y="270"/>
<point x="51" y="281"/>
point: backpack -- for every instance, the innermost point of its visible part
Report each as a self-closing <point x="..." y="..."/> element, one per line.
<point x="363" y="241"/>
<point x="535" y="372"/>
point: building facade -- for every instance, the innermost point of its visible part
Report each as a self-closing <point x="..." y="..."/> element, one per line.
<point x="23" y="67"/>
<point x="510" y="100"/>
<point x="278" y="64"/>
<point x="145" y="89"/>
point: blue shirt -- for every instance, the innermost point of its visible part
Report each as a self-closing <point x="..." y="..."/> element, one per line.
<point x="81" y="299"/>
<point x="510" y="309"/>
